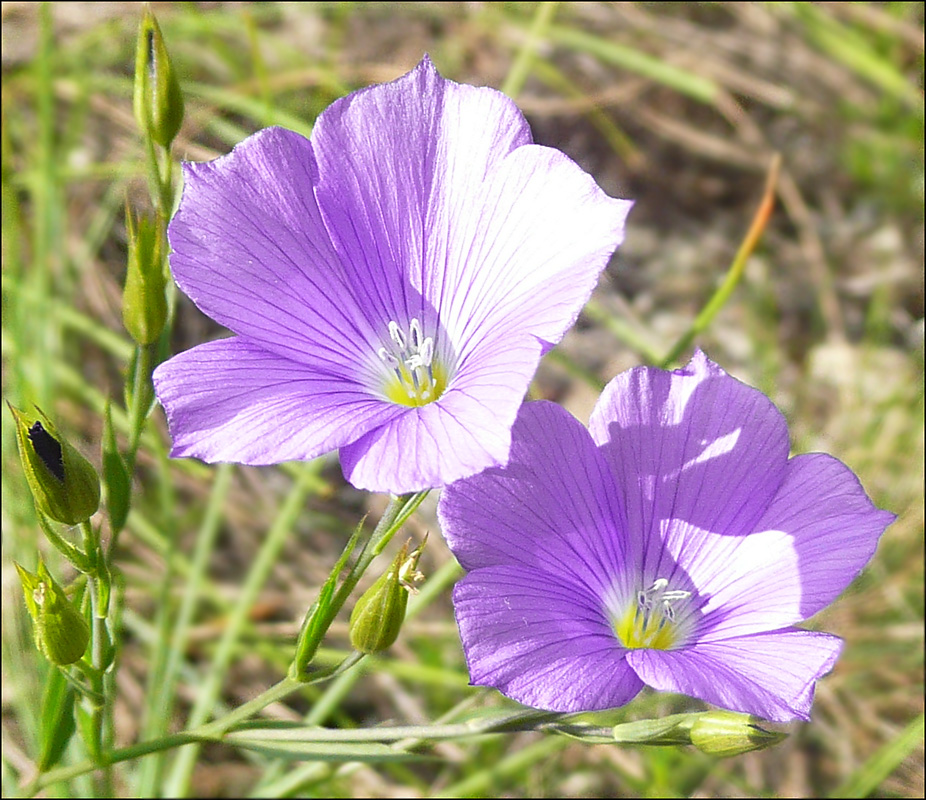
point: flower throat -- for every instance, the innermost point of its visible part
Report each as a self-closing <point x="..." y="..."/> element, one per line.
<point x="651" y="621"/>
<point x="416" y="379"/>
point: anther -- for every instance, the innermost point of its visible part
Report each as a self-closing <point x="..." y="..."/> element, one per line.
<point x="395" y="333"/>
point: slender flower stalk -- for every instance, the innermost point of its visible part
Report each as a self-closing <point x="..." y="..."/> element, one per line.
<point x="672" y="544"/>
<point x="391" y="284"/>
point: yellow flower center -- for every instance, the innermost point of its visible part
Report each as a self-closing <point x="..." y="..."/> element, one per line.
<point x="415" y="378"/>
<point x="651" y="621"/>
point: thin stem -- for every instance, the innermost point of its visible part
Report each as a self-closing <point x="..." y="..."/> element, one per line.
<point x="159" y="187"/>
<point x="212" y="732"/>
<point x="141" y="400"/>
<point x="272" y="695"/>
<point x="71" y="552"/>
<point x="396" y="514"/>
<point x="97" y="710"/>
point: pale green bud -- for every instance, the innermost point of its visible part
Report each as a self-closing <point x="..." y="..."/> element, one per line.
<point x="380" y="611"/>
<point x="61" y="632"/>
<point x="158" y="102"/>
<point x="725" y="733"/>
<point x="144" y="301"/>
<point x="64" y="484"/>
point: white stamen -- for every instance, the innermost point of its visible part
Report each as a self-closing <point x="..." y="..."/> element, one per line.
<point x="415" y="353"/>
<point x="656" y="597"/>
<point x="414" y="335"/>
<point x="390" y="359"/>
<point x="395" y="333"/>
<point x="426" y="352"/>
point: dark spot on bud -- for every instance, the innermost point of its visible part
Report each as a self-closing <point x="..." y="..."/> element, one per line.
<point x="48" y="449"/>
<point x="151" y="52"/>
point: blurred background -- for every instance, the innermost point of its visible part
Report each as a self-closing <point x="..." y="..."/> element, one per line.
<point x="679" y="106"/>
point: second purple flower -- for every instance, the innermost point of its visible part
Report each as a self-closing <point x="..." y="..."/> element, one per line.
<point x="392" y="284"/>
<point x="672" y="544"/>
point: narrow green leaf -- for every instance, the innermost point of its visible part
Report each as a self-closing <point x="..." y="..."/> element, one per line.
<point x="57" y="720"/>
<point x="320" y="751"/>
<point x="318" y="618"/>
<point x="671" y="730"/>
<point x="116" y="477"/>
<point x="656" y="69"/>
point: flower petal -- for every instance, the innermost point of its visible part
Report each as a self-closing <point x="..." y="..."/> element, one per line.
<point x="770" y="675"/>
<point x="385" y="154"/>
<point x="525" y="253"/>
<point x="467" y="430"/>
<point x="816" y="536"/>
<point x="744" y="584"/>
<point x="553" y="508"/>
<point x="693" y="445"/>
<point x="834" y="527"/>
<point x="231" y="400"/>
<point x="251" y="250"/>
<point x="434" y="188"/>
<point x="540" y="640"/>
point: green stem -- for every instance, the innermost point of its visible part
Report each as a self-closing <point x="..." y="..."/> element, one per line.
<point x="141" y="397"/>
<point x="158" y="185"/>
<point x="212" y="732"/>
<point x="72" y="553"/>
<point x="275" y="693"/>
<point x="396" y="514"/>
<point x="95" y="709"/>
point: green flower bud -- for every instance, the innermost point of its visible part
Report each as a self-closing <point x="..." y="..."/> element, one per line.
<point x="380" y="611"/>
<point x="61" y="632"/>
<point x="158" y="102"/>
<point x="64" y="484"/>
<point x="144" y="301"/>
<point x="724" y="733"/>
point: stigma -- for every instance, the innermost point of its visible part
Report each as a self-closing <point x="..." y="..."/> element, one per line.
<point x="415" y="377"/>
<point x="652" y="621"/>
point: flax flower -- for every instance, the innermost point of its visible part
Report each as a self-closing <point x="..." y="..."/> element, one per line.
<point x="391" y="284"/>
<point x="673" y="544"/>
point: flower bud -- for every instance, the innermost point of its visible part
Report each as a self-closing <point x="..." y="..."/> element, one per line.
<point x="61" y="632"/>
<point x="380" y="611"/>
<point x="144" y="301"/>
<point x="64" y="484"/>
<point x="158" y="102"/>
<point x="724" y="733"/>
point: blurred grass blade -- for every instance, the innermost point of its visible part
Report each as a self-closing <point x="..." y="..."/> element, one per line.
<point x="521" y="68"/>
<point x="873" y="772"/>
<point x="57" y="717"/>
<point x="854" y="51"/>
<point x="179" y="779"/>
<point x="619" y="141"/>
<point x="482" y="781"/>
<point x="722" y="295"/>
<point x="683" y="81"/>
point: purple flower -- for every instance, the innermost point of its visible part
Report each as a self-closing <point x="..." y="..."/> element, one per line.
<point x="392" y="284"/>
<point x="672" y="544"/>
